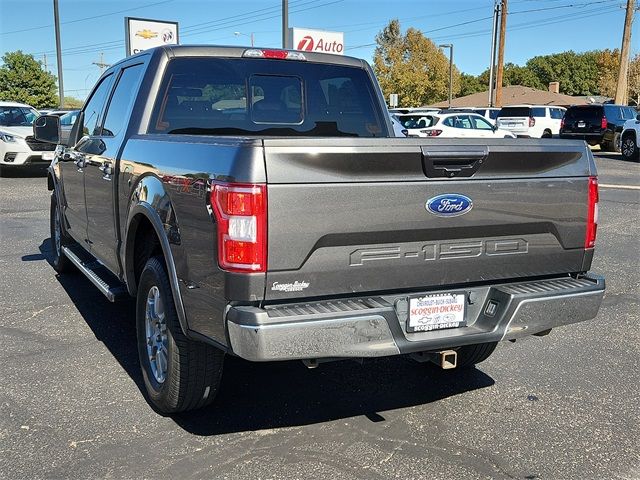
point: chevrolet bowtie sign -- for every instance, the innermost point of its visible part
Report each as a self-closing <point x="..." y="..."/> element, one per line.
<point x="142" y="34"/>
<point x="319" y="41"/>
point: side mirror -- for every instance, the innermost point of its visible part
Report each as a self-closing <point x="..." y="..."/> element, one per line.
<point x="46" y="128"/>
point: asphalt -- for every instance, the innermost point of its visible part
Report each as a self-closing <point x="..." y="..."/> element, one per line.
<point x="564" y="406"/>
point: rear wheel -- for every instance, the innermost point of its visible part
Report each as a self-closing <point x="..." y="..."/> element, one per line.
<point x="179" y="374"/>
<point x="547" y="134"/>
<point x="59" y="238"/>
<point x="629" y="148"/>
<point x="470" y="355"/>
<point x="615" y="145"/>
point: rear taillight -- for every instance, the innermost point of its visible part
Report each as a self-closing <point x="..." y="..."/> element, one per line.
<point x="532" y="122"/>
<point x="603" y="123"/>
<point x="561" y="124"/>
<point x="592" y="213"/>
<point x="241" y="214"/>
<point x="431" y="133"/>
<point x="273" y="53"/>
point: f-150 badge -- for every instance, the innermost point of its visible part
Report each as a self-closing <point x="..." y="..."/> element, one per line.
<point x="449" y="205"/>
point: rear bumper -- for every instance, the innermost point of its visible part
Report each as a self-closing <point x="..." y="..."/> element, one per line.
<point x="590" y="138"/>
<point x="375" y="326"/>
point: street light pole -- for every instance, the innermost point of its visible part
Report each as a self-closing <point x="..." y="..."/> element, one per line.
<point x="450" y="47"/>
<point x="56" y="21"/>
<point x="237" y="34"/>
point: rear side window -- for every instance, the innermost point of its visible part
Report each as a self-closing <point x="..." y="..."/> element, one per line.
<point x="613" y="112"/>
<point x="539" y="112"/>
<point x="493" y="114"/>
<point x="222" y="96"/>
<point x="557" y="113"/>
<point x="514" y="112"/>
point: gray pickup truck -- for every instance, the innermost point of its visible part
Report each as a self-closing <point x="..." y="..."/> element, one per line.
<point x="255" y="203"/>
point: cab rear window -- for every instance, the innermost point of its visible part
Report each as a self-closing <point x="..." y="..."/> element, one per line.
<point x="222" y="96"/>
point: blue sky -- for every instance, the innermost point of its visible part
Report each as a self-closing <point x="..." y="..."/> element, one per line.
<point x="91" y="27"/>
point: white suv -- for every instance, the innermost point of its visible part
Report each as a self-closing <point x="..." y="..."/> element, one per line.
<point x="18" y="148"/>
<point x="630" y="139"/>
<point x="532" y="121"/>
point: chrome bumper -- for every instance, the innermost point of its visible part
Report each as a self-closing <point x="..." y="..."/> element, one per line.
<point x="375" y="326"/>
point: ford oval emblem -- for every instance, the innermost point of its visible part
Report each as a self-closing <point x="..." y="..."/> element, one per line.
<point x="449" y="205"/>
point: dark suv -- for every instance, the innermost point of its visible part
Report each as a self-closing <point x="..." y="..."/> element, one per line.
<point x="597" y="124"/>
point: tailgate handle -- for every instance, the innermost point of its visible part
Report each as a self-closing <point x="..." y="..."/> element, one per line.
<point x="452" y="163"/>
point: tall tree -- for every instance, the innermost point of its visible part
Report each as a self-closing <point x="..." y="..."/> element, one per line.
<point x="634" y="79"/>
<point x="412" y="66"/>
<point x="22" y="79"/>
<point x="608" y="62"/>
<point x="576" y="72"/>
<point x="470" y="84"/>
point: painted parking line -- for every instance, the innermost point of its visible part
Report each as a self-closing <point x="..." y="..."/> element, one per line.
<point x="621" y="187"/>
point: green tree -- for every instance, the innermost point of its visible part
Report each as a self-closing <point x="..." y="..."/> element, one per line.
<point x="22" y="79"/>
<point x="470" y="84"/>
<point x="72" y="102"/>
<point x="576" y="72"/>
<point x="412" y="66"/>
<point x="634" y="79"/>
<point x="608" y="62"/>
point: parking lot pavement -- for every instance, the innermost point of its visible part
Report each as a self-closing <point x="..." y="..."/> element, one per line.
<point x="558" y="407"/>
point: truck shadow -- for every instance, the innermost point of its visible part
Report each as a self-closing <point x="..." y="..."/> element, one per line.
<point x="258" y="396"/>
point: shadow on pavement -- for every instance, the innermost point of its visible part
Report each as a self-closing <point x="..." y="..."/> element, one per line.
<point x="24" y="171"/>
<point x="257" y="396"/>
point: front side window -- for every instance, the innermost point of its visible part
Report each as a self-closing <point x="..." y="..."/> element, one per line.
<point x="93" y="108"/>
<point x="17" y="116"/>
<point x="266" y="97"/>
<point x="121" y="101"/>
<point x="480" y="123"/>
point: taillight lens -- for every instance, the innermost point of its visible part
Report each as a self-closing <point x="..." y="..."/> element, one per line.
<point x="603" y="123"/>
<point x="562" y="124"/>
<point x="241" y="213"/>
<point x="432" y="133"/>
<point x="592" y="213"/>
<point x="532" y="122"/>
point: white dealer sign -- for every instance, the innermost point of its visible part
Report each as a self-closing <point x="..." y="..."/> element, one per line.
<point x="143" y="33"/>
<point x="316" y="41"/>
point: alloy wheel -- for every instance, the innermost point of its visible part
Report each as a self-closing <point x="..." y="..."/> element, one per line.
<point x="156" y="334"/>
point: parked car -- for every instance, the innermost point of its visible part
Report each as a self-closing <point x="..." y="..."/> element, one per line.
<point x="597" y="124"/>
<point x="531" y="121"/>
<point x="296" y="227"/>
<point x="630" y="143"/>
<point x="18" y="148"/>
<point x="413" y="123"/>
<point x="398" y="129"/>
<point x="490" y="113"/>
<point x="460" y="125"/>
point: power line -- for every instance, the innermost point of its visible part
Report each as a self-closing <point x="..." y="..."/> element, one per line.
<point x="87" y="18"/>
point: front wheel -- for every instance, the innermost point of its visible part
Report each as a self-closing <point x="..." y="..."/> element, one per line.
<point x="179" y="374"/>
<point x="629" y="148"/>
<point x="60" y="262"/>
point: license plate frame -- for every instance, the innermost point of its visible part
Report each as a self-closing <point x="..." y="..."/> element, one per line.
<point x="436" y="311"/>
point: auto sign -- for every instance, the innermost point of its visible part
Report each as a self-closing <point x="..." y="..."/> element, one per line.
<point x="449" y="205"/>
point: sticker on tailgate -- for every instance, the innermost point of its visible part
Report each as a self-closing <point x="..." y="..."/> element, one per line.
<point x="436" y="312"/>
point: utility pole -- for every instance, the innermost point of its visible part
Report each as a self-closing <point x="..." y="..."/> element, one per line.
<point x="101" y="63"/>
<point x="450" y="47"/>
<point x="285" y="23"/>
<point x="44" y="62"/>
<point x="56" y="21"/>
<point x="621" y="89"/>
<point x="503" y="31"/>
<point x="496" y="9"/>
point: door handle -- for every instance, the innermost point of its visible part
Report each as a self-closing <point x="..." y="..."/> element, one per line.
<point x="453" y="161"/>
<point x="107" y="170"/>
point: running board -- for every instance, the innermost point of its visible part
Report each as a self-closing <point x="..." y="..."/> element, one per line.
<point x="98" y="275"/>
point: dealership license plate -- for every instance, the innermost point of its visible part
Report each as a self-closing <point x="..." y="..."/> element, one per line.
<point x="47" y="156"/>
<point x="435" y="312"/>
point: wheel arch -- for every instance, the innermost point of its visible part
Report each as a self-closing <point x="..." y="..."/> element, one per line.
<point x="148" y="206"/>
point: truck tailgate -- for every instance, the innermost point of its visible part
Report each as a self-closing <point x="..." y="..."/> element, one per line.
<point x="350" y="215"/>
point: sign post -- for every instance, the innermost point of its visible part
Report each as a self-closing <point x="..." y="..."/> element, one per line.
<point x="143" y="33"/>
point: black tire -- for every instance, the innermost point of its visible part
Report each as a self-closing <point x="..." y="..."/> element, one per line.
<point x="615" y="144"/>
<point x="193" y="370"/>
<point x="470" y="355"/>
<point x="629" y="147"/>
<point x="547" y="134"/>
<point x="60" y="262"/>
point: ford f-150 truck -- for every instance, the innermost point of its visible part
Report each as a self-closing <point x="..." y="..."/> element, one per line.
<point x="255" y="203"/>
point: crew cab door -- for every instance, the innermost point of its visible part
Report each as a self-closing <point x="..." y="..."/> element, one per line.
<point x="73" y="163"/>
<point x="100" y="170"/>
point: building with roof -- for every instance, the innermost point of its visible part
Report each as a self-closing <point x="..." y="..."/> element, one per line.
<point x="516" y="95"/>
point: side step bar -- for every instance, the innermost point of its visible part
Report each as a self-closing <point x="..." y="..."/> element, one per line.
<point x="98" y="275"/>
